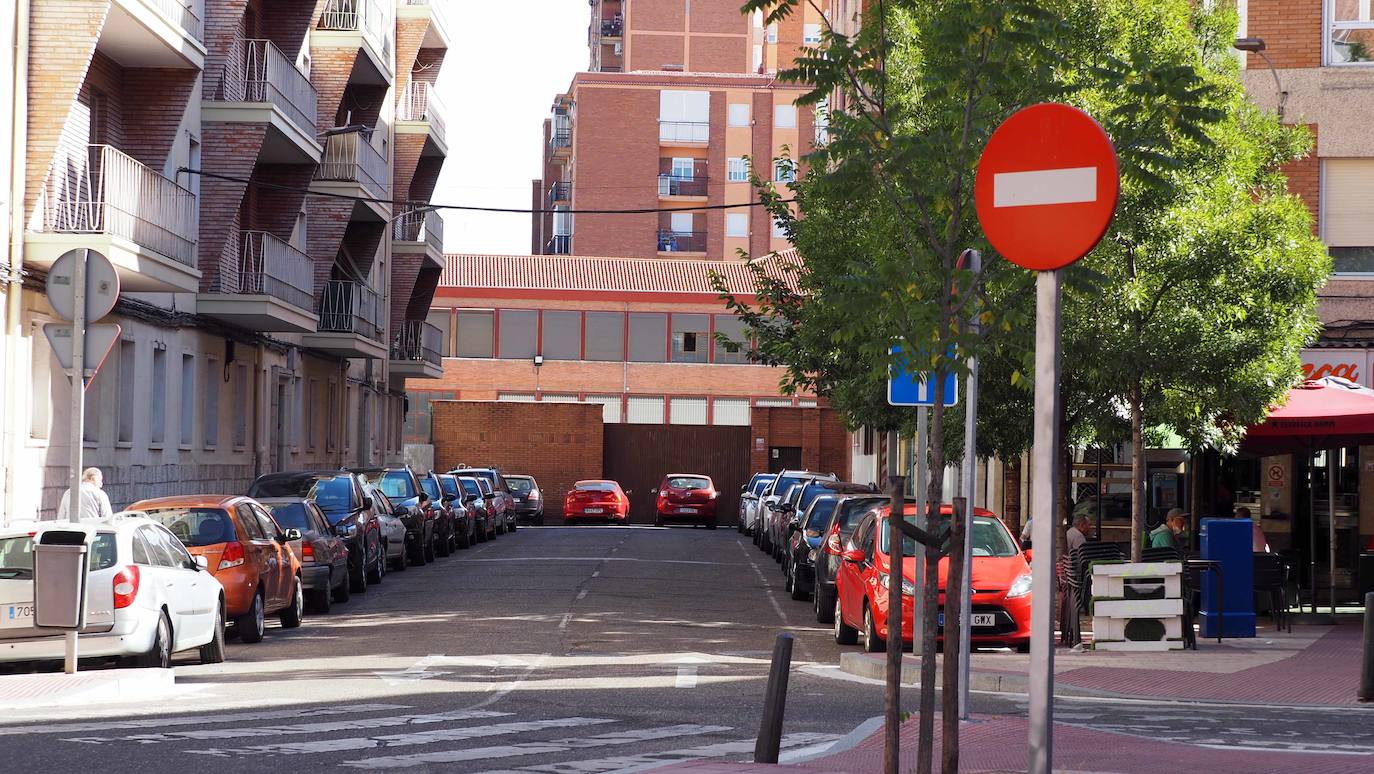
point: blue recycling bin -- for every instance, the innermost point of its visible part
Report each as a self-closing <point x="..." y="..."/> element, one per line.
<point x="1229" y="541"/>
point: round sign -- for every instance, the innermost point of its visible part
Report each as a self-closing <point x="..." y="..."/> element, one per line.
<point x="1047" y="186"/>
<point x="102" y="285"/>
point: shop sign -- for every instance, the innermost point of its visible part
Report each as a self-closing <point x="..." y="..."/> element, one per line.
<point x="1352" y="364"/>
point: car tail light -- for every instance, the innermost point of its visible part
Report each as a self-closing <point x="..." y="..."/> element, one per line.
<point x="233" y="555"/>
<point x="125" y="587"/>
<point x="307" y="552"/>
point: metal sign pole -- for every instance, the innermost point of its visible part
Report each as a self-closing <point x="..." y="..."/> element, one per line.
<point x="1045" y="461"/>
<point x="892" y="699"/>
<point x="970" y="490"/>
<point x="918" y="488"/>
<point x="78" y="416"/>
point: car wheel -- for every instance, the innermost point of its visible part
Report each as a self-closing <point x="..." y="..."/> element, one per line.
<point x="416" y="554"/>
<point x="514" y="525"/>
<point x="1023" y="647"/>
<point x="212" y="652"/>
<point x="824" y="607"/>
<point x="402" y="561"/>
<point x="379" y="567"/>
<point x="444" y="547"/>
<point x="344" y="590"/>
<point x="711" y="524"/>
<point x="464" y="540"/>
<point x="754" y="536"/>
<point x="658" y="521"/>
<point x="844" y="633"/>
<point x="160" y="655"/>
<point x="291" y="617"/>
<point x="872" y="643"/>
<point x="798" y="593"/>
<point x="359" y="576"/>
<point x="786" y="578"/>
<point x="321" y="599"/>
<point x="567" y="522"/>
<point x="431" y="549"/>
<point x="252" y="624"/>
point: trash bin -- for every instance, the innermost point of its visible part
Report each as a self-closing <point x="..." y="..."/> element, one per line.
<point x="59" y="579"/>
<point x="1230" y="542"/>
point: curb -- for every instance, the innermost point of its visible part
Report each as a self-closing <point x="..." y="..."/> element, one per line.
<point x="94" y="687"/>
<point x="862" y="665"/>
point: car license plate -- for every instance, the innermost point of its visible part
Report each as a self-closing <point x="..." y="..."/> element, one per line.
<point x="593" y="510"/>
<point x="686" y="510"/>
<point x="16" y="616"/>
<point x="979" y="620"/>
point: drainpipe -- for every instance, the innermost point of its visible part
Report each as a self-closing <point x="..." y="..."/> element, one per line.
<point x="259" y="390"/>
<point x="14" y="293"/>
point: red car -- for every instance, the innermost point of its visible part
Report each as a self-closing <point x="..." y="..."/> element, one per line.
<point x="1001" y="584"/>
<point x="686" y="497"/>
<point x="599" y="500"/>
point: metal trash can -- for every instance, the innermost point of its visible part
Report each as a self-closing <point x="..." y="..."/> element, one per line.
<point x="59" y="579"/>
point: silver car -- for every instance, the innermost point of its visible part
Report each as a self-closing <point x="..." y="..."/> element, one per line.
<point x="749" y="501"/>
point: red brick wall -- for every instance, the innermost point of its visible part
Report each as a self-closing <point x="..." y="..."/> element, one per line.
<point x="327" y="221"/>
<point x="329" y="71"/>
<point x="761" y="158"/>
<point x="1292" y="32"/>
<point x="229" y="149"/>
<point x="714" y="54"/>
<point x="817" y="431"/>
<point x="557" y="443"/>
<point x="652" y="52"/>
<point x="1304" y="178"/>
<point x="423" y="295"/>
<point x="616" y="146"/>
<point x="409" y="34"/>
<point x="425" y="178"/>
<point x="405" y="270"/>
<point x="406" y="149"/>
<point x="155" y="99"/>
<point x="275" y="209"/>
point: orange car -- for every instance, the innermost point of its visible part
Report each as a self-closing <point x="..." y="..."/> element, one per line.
<point x="247" y="551"/>
<point x="600" y="500"/>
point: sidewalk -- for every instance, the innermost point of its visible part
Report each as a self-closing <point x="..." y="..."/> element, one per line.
<point x="97" y="686"/>
<point x="1315" y="665"/>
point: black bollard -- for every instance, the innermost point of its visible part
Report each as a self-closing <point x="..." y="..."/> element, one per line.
<point x="774" y="702"/>
<point x="1367" y="668"/>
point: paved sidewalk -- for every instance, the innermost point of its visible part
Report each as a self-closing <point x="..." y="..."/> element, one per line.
<point x="1316" y="665"/>
<point x="97" y="686"/>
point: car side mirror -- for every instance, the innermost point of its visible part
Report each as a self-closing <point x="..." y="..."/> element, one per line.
<point x="629" y="492"/>
<point x="445" y="499"/>
<point x="470" y="498"/>
<point x="744" y="488"/>
<point x="367" y="502"/>
<point x="793" y="526"/>
<point x="855" y="555"/>
<point x="201" y="563"/>
<point x="287" y="535"/>
<point x="400" y="510"/>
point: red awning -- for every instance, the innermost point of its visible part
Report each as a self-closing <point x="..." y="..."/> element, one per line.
<point x="1319" y="414"/>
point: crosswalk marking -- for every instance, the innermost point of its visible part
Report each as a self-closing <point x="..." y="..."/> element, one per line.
<point x="533" y="748"/>
<point x="297" y="728"/>
<point x="191" y="720"/>
<point x="626" y="764"/>
<point x="434" y="736"/>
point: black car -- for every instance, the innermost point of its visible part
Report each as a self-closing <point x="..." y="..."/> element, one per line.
<point x="349" y="511"/>
<point x="529" y="500"/>
<point x="464" y="513"/>
<point x="445" y="533"/>
<point x="477" y="500"/>
<point x="323" y="554"/>
<point x="848" y="511"/>
<point x="804" y="537"/>
<point x="402" y="487"/>
<point x="500" y="500"/>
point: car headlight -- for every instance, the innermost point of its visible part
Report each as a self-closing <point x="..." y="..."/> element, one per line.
<point x="1021" y="586"/>
<point x="908" y="588"/>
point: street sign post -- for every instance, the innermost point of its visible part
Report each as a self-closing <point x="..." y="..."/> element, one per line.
<point x="1046" y="190"/>
<point x="914" y="388"/>
<point x="975" y="264"/>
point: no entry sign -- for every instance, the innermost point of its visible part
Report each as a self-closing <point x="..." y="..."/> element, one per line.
<point x="1047" y="186"/>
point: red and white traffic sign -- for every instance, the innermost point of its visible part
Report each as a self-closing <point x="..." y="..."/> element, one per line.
<point x="1047" y="186"/>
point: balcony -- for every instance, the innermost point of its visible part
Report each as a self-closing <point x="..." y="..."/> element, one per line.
<point x="684" y="132"/>
<point x="670" y="241"/>
<point x="560" y="136"/>
<point x="350" y="322"/>
<point x="559" y="244"/>
<point x="682" y="178"/>
<point x="420" y="111"/>
<point x="272" y="290"/>
<point x="153" y="33"/>
<point x="351" y="165"/>
<point x="415" y="351"/>
<point x="365" y="24"/>
<point x="259" y="84"/>
<point x="437" y="33"/>
<point x="419" y="232"/>
<point x="613" y="26"/>
<point x="560" y="193"/>
<point x="107" y="201"/>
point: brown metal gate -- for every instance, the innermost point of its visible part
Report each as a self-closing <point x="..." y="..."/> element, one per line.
<point x="638" y="456"/>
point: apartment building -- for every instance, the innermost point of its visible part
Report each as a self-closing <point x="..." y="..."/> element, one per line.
<point x="237" y="161"/>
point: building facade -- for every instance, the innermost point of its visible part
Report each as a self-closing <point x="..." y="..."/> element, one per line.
<point x="256" y="171"/>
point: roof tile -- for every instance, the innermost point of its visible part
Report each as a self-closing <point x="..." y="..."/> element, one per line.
<point x="634" y="275"/>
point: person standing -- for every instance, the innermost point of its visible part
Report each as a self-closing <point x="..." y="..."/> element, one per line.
<point x="95" y="504"/>
<point x="1079" y="532"/>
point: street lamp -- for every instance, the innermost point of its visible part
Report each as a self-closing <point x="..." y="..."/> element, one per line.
<point x="1256" y="46"/>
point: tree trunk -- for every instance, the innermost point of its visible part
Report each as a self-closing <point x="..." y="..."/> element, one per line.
<point x="1137" y="472"/>
<point x="925" y="745"/>
<point x="1063" y="500"/>
<point x="1011" y="494"/>
<point x="954" y="602"/>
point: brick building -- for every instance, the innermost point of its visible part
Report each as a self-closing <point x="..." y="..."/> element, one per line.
<point x="266" y="322"/>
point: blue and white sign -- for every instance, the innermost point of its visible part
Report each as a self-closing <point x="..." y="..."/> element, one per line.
<point x="907" y="388"/>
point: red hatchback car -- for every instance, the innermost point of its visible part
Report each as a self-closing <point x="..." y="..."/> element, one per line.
<point x="595" y="499"/>
<point x="686" y="497"/>
<point x="1001" y="585"/>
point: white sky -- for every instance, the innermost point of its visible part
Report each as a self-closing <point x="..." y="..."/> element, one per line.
<point x="508" y="60"/>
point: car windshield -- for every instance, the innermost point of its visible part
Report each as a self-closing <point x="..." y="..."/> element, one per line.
<point x="688" y="482"/>
<point x="761" y="484"/>
<point x="449" y="485"/>
<point x="470" y="486"/>
<point x="196" y="526"/>
<point x="431" y="487"/>
<point x="291" y="516"/>
<point x="397" y="484"/>
<point x="292" y="486"/>
<point x="852" y="511"/>
<point x="820" y="514"/>
<point x="596" y="486"/>
<point x="334" y="495"/>
<point x="990" y="538"/>
<point x="784" y="483"/>
<point x="811" y="492"/>
<point x="520" y="485"/>
<point x="485" y="486"/>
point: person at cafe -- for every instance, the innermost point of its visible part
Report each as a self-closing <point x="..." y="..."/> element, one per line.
<point x="1258" y="543"/>
<point x="1079" y="533"/>
<point x="1170" y="533"/>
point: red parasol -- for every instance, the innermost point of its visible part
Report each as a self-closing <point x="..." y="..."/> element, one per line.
<point x="1319" y="414"/>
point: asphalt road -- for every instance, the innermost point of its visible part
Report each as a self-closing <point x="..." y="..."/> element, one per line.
<point x="586" y="649"/>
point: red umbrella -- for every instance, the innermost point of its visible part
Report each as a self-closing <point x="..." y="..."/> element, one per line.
<point x="1319" y="414"/>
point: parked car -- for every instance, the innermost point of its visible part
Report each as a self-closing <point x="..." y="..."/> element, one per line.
<point x="395" y="533"/>
<point x="146" y="596"/>
<point x="402" y="488"/>
<point x="801" y="500"/>
<point x="493" y="503"/>
<point x="749" y="501"/>
<point x="529" y="500"/>
<point x="686" y="497"/>
<point x="504" y="511"/>
<point x="804" y="537"/>
<point x="1001" y="577"/>
<point x="464" y="513"/>
<point x="596" y="499"/>
<point x="323" y="555"/>
<point x="847" y="515"/>
<point x="776" y="489"/>
<point x="349" y="510"/>
<point x="477" y="500"/>
<point x="445" y="534"/>
<point x="779" y="514"/>
<point x="245" y="550"/>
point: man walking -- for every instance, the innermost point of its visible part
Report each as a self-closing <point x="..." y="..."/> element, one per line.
<point x="95" y="504"/>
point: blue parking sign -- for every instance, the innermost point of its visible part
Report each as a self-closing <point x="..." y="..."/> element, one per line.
<point x="914" y="388"/>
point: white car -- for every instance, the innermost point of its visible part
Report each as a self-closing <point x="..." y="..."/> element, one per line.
<point x="146" y="597"/>
<point x="750" y="494"/>
<point x="393" y="529"/>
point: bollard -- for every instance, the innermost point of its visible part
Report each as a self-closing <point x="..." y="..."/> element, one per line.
<point x="774" y="702"/>
<point x="1367" y="669"/>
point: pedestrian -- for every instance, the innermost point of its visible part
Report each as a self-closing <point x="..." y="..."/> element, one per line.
<point x="1079" y="532"/>
<point x="1169" y="534"/>
<point x="1026" y="533"/>
<point x="95" y="504"/>
<point x="1258" y="542"/>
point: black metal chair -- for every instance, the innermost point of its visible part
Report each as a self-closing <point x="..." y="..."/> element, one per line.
<point x="1173" y="554"/>
<point x="1271" y="588"/>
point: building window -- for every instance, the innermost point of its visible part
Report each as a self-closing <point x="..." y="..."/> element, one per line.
<point x="1351" y="32"/>
<point x="785" y="117"/>
<point x="605" y="339"/>
<point x="773" y="32"/>
<point x="125" y="409"/>
<point x="811" y="34"/>
<point x="1346" y="225"/>
<point x="644" y="411"/>
<point x="784" y="171"/>
<point x="516" y="397"/>
<point x="41" y="399"/>
<point x="610" y="407"/>
<point x="758" y="59"/>
<point x="739" y="114"/>
<point x="311" y="410"/>
<point x="737" y="169"/>
<point x="475" y="333"/>
<point x="158" y="408"/>
<point x="209" y="411"/>
<point x="562" y="339"/>
<point x="684" y="116"/>
<point x="690" y="337"/>
<point x="773" y="403"/>
<point x="729" y="411"/>
<point x="648" y="337"/>
<point x="683" y="168"/>
<point x="188" y="400"/>
<point x="737" y="224"/>
<point x="331" y="415"/>
<point x="680" y="222"/>
<point x="687" y="411"/>
<point x="779" y="229"/>
<point x="822" y="122"/>
<point x="441" y="319"/>
<point x="732" y="328"/>
<point x="243" y="409"/>
<point x="418" y="419"/>
<point x="519" y="329"/>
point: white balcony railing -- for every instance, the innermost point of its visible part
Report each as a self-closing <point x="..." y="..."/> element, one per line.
<point x="180" y="13"/>
<point x="418" y="341"/>
<point x="350" y="156"/>
<point x="372" y="18"/>
<point x="420" y="102"/>
<point x="108" y="192"/>
<point x="257" y="71"/>
<point x="420" y="226"/>
<point x="269" y="266"/>
<point x="350" y="307"/>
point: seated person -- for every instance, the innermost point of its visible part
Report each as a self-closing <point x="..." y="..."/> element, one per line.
<point x="1169" y="534"/>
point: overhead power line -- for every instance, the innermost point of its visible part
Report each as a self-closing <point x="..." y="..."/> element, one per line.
<point x="468" y="207"/>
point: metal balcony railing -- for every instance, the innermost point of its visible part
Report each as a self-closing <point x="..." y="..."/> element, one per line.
<point x="181" y="14"/>
<point x="420" y="102"/>
<point x="419" y="342"/>
<point x="560" y="192"/>
<point x="613" y="27"/>
<point x="257" y="71"/>
<point x="560" y="134"/>
<point x="350" y="156"/>
<point x="372" y="18"/>
<point x="350" y="307"/>
<point x="108" y="192"/>
<point x="681" y="241"/>
<point x="269" y="266"/>
<point x="420" y="226"/>
<point x="670" y="185"/>
<point x="684" y="131"/>
<point x="559" y="244"/>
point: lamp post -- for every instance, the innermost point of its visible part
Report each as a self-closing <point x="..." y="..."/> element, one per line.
<point x="1256" y="46"/>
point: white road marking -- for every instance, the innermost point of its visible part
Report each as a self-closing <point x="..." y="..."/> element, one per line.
<point x="517" y="660"/>
<point x="563" y="624"/>
<point x="1324" y="750"/>
<point x="524" y="559"/>
<point x="297" y="728"/>
<point x="596" y="574"/>
<point x="686" y="677"/>
<point x="417" y="671"/>
<point x="581" y="595"/>
<point x="1044" y="186"/>
<point x="534" y="748"/>
<point x="189" y="720"/>
<point x="434" y="736"/>
<point x="626" y="764"/>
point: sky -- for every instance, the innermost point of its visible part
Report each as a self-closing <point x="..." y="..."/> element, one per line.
<point x="508" y="60"/>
